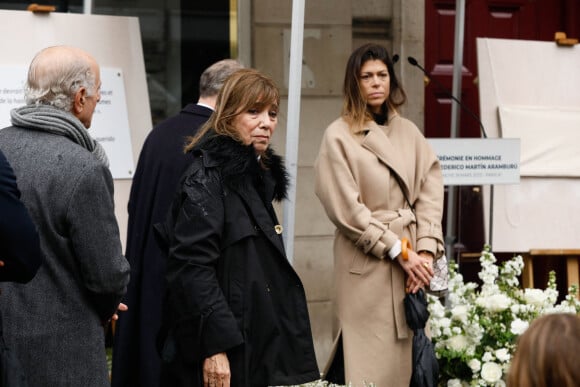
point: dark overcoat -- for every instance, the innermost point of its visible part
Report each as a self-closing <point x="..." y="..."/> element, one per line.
<point x="19" y="242"/>
<point x="160" y="166"/>
<point x="230" y="287"/>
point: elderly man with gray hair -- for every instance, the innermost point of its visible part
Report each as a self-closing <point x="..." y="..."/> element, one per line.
<point x="55" y="323"/>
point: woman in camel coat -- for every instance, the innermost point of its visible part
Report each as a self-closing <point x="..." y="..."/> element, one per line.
<point x="379" y="182"/>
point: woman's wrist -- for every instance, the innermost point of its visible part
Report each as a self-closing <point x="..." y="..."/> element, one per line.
<point x="394" y="251"/>
<point x="427" y="253"/>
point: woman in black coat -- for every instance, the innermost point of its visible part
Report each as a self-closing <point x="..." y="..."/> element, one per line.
<point x="235" y="310"/>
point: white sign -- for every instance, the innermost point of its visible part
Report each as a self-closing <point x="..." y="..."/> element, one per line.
<point x="478" y="161"/>
<point x="110" y="125"/>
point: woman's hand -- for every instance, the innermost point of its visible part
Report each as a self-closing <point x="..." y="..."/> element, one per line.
<point x="419" y="269"/>
<point x="216" y="371"/>
<point x="121" y="308"/>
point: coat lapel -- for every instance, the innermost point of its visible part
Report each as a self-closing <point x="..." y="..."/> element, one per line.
<point x="239" y="167"/>
<point x="377" y="141"/>
<point x="257" y="208"/>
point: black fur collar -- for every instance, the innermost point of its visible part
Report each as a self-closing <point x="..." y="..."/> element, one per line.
<point x="239" y="165"/>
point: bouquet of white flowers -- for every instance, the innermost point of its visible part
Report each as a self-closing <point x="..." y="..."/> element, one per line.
<point x="475" y="334"/>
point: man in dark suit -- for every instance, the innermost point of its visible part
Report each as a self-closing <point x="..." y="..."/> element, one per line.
<point x="136" y="362"/>
<point x="20" y="254"/>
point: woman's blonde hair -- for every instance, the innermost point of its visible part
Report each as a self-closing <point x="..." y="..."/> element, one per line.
<point x="546" y="353"/>
<point x="243" y="90"/>
<point x="354" y="107"/>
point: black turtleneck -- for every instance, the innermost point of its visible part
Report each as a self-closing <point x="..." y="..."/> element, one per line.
<point x="380" y="118"/>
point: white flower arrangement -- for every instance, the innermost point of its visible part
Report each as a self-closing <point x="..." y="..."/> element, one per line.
<point x="475" y="334"/>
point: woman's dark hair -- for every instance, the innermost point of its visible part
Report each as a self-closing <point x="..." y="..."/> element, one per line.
<point x="354" y="108"/>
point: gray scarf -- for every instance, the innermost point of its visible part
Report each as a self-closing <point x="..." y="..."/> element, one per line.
<point x="56" y="121"/>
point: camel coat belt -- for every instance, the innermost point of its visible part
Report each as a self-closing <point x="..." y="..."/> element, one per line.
<point x="401" y="222"/>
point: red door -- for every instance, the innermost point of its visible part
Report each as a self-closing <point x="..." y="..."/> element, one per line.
<point x="509" y="19"/>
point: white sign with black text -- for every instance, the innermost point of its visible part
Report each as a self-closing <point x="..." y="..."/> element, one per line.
<point x="478" y="161"/>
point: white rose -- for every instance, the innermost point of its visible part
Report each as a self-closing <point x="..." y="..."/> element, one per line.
<point x="499" y="302"/>
<point x="460" y="312"/>
<point x="437" y="310"/>
<point x="474" y="364"/>
<point x="458" y="343"/>
<point x="453" y="383"/>
<point x="518" y="326"/>
<point x="535" y="297"/>
<point x="501" y="383"/>
<point x="495" y="302"/>
<point x="444" y="323"/>
<point x="502" y="355"/>
<point x="487" y="356"/>
<point x="491" y="372"/>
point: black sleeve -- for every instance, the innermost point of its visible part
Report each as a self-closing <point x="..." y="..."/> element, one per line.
<point x="19" y="241"/>
<point x="193" y="235"/>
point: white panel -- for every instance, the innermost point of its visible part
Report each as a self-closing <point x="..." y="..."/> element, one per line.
<point x="540" y="212"/>
<point x="550" y="139"/>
